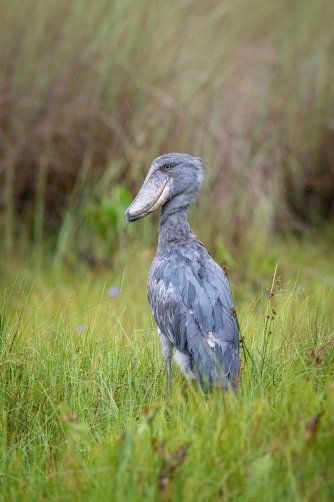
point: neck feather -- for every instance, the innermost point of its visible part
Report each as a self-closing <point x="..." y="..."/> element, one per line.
<point x="173" y="225"/>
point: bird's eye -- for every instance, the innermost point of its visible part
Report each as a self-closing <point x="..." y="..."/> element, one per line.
<point x="167" y="168"/>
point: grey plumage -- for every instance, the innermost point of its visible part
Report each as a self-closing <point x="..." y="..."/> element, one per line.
<point x="188" y="292"/>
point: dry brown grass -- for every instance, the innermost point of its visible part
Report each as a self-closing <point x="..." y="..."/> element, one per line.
<point x="103" y="88"/>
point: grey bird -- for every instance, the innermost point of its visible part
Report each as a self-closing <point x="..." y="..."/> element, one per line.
<point x="189" y="293"/>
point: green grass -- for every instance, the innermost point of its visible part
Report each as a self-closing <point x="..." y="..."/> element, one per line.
<point x="90" y="93"/>
<point x="84" y="414"/>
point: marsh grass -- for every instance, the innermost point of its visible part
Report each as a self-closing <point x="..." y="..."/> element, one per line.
<point x="91" y="93"/>
<point x="84" y="412"/>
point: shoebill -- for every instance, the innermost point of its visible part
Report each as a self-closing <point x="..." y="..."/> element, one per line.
<point x="189" y="293"/>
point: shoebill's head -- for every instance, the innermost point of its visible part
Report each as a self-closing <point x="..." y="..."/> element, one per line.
<point x="174" y="179"/>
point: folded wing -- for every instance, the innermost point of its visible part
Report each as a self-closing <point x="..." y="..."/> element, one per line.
<point x="192" y="304"/>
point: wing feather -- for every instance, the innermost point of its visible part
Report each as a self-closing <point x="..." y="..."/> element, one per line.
<point x="192" y="304"/>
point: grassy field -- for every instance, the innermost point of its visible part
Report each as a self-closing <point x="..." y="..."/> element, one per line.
<point x="90" y="93"/>
<point x="84" y="414"/>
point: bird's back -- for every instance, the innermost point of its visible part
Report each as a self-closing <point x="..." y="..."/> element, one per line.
<point x="192" y="304"/>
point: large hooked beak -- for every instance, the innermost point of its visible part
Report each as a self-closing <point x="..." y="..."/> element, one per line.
<point x="152" y="195"/>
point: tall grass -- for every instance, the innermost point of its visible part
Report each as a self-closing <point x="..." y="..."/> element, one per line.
<point x="249" y="87"/>
<point x="90" y="93"/>
<point x="84" y="414"/>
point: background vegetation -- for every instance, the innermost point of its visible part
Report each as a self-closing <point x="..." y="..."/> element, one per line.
<point x="90" y="93"/>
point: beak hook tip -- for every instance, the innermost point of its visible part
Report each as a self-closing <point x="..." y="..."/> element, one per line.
<point x="126" y="217"/>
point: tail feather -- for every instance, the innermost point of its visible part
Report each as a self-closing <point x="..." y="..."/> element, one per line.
<point x="216" y="366"/>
